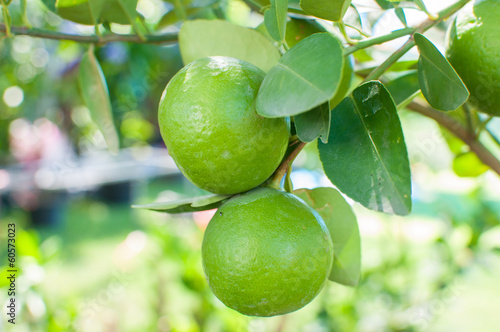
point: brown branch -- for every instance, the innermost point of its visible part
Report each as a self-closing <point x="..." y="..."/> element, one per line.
<point x="457" y="129"/>
<point x="104" y="39"/>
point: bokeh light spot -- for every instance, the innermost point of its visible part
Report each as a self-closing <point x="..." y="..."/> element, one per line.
<point x="13" y="96"/>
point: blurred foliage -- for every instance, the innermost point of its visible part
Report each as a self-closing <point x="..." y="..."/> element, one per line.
<point x="137" y="270"/>
<point x="46" y="72"/>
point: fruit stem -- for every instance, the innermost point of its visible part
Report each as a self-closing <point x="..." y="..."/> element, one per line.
<point x="468" y="118"/>
<point x="348" y="39"/>
<point x="285" y="165"/>
<point x="358" y="30"/>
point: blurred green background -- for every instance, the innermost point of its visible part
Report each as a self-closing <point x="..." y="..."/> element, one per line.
<point x="88" y="262"/>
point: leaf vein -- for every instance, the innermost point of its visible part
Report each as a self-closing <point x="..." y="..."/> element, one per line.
<point x="303" y="79"/>
<point x="379" y="156"/>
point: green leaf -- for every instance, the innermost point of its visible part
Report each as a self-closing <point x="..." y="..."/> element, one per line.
<point x="51" y="5"/>
<point x="468" y="165"/>
<point x="314" y="123"/>
<point x="95" y="95"/>
<point x="195" y="9"/>
<point x="275" y="19"/>
<point x="119" y="11"/>
<point x="305" y="77"/>
<point x="80" y="11"/>
<point x="297" y="30"/>
<point x="326" y="9"/>
<point x="366" y="156"/>
<point x="401" y="15"/>
<point x="420" y="4"/>
<point x="192" y="204"/>
<point x="294" y="7"/>
<point x="384" y="4"/>
<point x="172" y="17"/>
<point x="202" y="38"/>
<point x="353" y="17"/>
<point x="403" y="87"/>
<point x="440" y="84"/>
<point x="343" y="227"/>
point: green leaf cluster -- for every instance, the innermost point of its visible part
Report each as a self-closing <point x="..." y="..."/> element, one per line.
<point x="309" y="82"/>
<point x="93" y="12"/>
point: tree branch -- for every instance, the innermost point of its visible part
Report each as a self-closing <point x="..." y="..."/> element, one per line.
<point x="421" y="28"/>
<point x="104" y="39"/>
<point x="457" y="129"/>
<point x="365" y="43"/>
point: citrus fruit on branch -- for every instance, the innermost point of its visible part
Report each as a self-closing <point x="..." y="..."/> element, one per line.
<point x="474" y="51"/>
<point x="209" y="124"/>
<point x="266" y="253"/>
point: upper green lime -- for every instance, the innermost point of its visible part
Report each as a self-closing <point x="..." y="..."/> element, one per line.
<point x="209" y="124"/>
<point x="474" y="51"/>
<point x="266" y="253"/>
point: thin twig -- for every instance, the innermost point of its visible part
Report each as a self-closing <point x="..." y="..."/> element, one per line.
<point x="421" y="28"/>
<point x="457" y="129"/>
<point x="104" y="39"/>
<point x="365" y="43"/>
<point x="377" y="72"/>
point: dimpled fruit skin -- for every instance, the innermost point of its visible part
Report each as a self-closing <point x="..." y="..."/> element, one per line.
<point x="474" y="51"/>
<point x="266" y="253"/>
<point x="209" y="124"/>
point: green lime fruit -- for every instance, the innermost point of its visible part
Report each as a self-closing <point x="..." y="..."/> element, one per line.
<point x="473" y="48"/>
<point x="266" y="253"/>
<point x="209" y="124"/>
